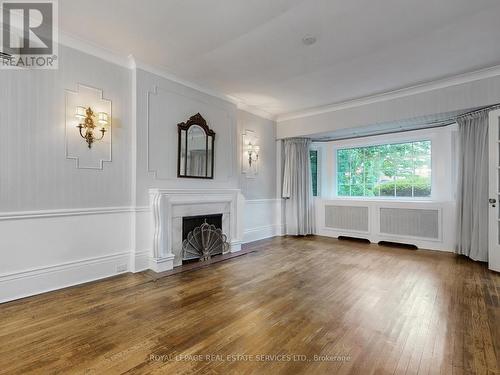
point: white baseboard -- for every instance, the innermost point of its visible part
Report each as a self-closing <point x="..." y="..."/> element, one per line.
<point x="263" y="218"/>
<point x="44" y="279"/>
<point x="260" y="233"/>
<point x="141" y="261"/>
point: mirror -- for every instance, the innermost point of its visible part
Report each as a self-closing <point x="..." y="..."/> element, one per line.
<point x="196" y="149"/>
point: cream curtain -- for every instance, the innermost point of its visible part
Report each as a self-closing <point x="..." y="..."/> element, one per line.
<point x="297" y="187"/>
<point x="472" y="192"/>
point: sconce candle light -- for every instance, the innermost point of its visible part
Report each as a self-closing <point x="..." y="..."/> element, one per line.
<point x="87" y="125"/>
<point x="253" y="153"/>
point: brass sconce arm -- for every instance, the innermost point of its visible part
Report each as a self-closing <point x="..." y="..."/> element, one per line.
<point x="253" y="153"/>
<point x="86" y="128"/>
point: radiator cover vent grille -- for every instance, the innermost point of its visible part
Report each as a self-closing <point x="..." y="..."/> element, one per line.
<point x="353" y="218"/>
<point x="420" y="223"/>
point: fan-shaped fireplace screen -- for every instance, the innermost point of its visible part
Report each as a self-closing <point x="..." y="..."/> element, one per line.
<point x="203" y="242"/>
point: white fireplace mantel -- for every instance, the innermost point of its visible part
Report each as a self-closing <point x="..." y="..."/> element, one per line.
<point x="170" y="205"/>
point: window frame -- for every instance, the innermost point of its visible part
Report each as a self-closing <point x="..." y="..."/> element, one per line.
<point x="396" y="138"/>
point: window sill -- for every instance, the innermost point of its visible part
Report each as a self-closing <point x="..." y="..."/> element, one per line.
<point x="386" y="200"/>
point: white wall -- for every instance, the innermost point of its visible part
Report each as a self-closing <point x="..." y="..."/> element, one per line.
<point x="262" y="185"/>
<point x="51" y="249"/>
<point x="61" y="225"/>
<point x="262" y="216"/>
<point x="34" y="172"/>
<point x="161" y="105"/>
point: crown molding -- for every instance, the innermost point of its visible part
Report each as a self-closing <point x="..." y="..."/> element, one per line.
<point x="131" y="62"/>
<point x="395" y="94"/>
<point x="163" y="72"/>
<point x="256" y="111"/>
<point x="72" y="41"/>
<point x="134" y="63"/>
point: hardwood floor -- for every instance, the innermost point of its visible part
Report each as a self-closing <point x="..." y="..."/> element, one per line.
<point x="333" y="307"/>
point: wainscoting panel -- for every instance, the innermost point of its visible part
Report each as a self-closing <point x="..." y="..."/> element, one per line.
<point x="262" y="219"/>
<point x="426" y="224"/>
<point x="49" y="250"/>
<point x="54" y="249"/>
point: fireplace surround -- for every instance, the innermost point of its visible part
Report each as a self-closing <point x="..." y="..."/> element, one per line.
<point x="170" y="206"/>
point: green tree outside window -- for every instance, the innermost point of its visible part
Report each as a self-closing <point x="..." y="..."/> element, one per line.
<point x="390" y="170"/>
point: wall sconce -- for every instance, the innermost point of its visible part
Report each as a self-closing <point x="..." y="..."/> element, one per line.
<point x="253" y="153"/>
<point x="86" y="124"/>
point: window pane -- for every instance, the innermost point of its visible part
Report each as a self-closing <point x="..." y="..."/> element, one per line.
<point x="313" y="155"/>
<point x="423" y="166"/>
<point x="387" y="188"/>
<point x="389" y="170"/>
<point x="344" y="190"/>
<point x="404" y="162"/>
<point x="387" y="176"/>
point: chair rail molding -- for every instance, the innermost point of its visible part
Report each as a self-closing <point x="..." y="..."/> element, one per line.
<point x="19" y="215"/>
<point x="76" y="148"/>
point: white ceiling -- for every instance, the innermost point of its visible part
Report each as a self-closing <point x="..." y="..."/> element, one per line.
<point x="252" y="49"/>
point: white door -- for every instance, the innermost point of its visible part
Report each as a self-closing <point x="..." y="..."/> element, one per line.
<point x="494" y="192"/>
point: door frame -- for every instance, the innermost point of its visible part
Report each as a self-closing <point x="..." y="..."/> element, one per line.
<point x="494" y="190"/>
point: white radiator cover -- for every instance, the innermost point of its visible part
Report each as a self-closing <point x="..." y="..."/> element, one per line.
<point x="350" y="218"/>
<point x="426" y="224"/>
<point x="410" y="222"/>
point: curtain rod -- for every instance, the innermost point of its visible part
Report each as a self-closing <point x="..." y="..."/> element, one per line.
<point x="487" y="108"/>
<point x="437" y="124"/>
<point x="440" y="124"/>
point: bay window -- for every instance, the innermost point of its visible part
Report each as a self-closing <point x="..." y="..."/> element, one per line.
<point x="385" y="170"/>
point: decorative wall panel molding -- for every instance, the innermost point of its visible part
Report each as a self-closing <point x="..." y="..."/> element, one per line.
<point x="250" y="170"/>
<point x="76" y="148"/>
<point x="164" y="110"/>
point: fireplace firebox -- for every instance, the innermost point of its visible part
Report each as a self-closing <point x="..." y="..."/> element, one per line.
<point x="189" y="223"/>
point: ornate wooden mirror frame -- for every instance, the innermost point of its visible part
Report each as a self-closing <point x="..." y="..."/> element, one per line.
<point x="184" y="169"/>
